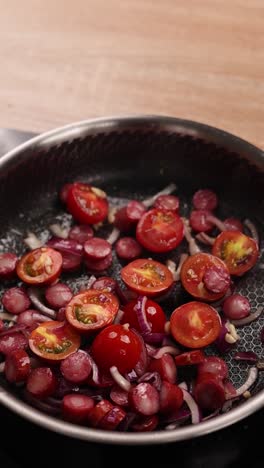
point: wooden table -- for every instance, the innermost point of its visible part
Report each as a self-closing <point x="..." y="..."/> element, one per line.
<point x="63" y="61"/>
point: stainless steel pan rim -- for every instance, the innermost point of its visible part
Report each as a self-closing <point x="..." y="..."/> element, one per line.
<point x="106" y="125"/>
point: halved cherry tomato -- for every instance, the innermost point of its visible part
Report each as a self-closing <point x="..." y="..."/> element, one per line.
<point x="54" y="340"/>
<point x="40" y="266"/>
<point x="193" y="278"/>
<point x="91" y="310"/>
<point x="160" y="230"/>
<point x="154" y="315"/>
<point x="147" y="276"/>
<point x="87" y="204"/>
<point x="117" y="346"/>
<point x="195" y="324"/>
<point x="238" y="251"/>
<point x="189" y="358"/>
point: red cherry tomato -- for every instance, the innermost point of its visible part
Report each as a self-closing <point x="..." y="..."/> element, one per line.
<point x="190" y="358"/>
<point x="40" y="266"/>
<point x="87" y="204"/>
<point x="194" y="279"/>
<point x="160" y="230"/>
<point x="195" y="324"/>
<point x="54" y="340"/>
<point x="117" y="346"/>
<point x="154" y="314"/>
<point x="147" y="277"/>
<point x="91" y="310"/>
<point x="238" y="251"/>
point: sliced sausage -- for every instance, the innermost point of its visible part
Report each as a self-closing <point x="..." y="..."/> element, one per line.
<point x="167" y="202"/>
<point x="213" y="365"/>
<point x="119" y="396"/>
<point x="41" y="382"/>
<point x="17" y="366"/>
<point x="77" y="367"/>
<point x="144" y="399"/>
<point x="135" y="209"/>
<point x="112" y="419"/>
<point x="165" y="366"/>
<point x="58" y="295"/>
<point x="198" y="221"/>
<point x="216" y="279"/>
<point x="15" y="300"/>
<point x="209" y="392"/>
<point x="171" y="398"/>
<point x="8" y="263"/>
<point x="70" y="262"/>
<point x="12" y="342"/>
<point x="145" y="424"/>
<point x="205" y="199"/>
<point x="97" y="249"/>
<point x="98" y="412"/>
<point x="98" y="266"/>
<point x="76" y="407"/>
<point x="81" y="233"/>
<point x="128" y="248"/>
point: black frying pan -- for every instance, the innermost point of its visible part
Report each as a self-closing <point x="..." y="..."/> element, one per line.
<point x="134" y="158"/>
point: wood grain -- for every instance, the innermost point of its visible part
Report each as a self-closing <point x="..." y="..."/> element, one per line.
<point x="65" y="61"/>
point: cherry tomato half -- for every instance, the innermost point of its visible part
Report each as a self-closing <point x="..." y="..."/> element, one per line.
<point x="117" y="346"/>
<point x="238" y="251"/>
<point x="147" y="277"/>
<point x="160" y="230"/>
<point x="193" y="276"/>
<point x="40" y="266"/>
<point x="87" y="204"/>
<point x="91" y="310"/>
<point x="195" y="324"/>
<point x="54" y="340"/>
<point x="154" y="314"/>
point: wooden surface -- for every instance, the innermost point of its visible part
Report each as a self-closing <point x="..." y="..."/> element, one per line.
<point x="64" y="60"/>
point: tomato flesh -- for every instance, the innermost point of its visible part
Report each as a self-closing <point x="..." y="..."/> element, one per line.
<point x="160" y="230"/>
<point x="40" y="266"/>
<point x="88" y="205"/>
<point x="195" y="324"/>
<point x="117" y="346"/>
<point x="91" y="310"/>
<point x="154" y="315"/>
<point x="147" y="277"/>
<point x="238" y="251"/>
<point x="193" y="272"/>
<point x="54" y="340"/>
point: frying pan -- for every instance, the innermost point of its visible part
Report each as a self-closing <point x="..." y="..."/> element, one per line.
<point x="135" y="157"/>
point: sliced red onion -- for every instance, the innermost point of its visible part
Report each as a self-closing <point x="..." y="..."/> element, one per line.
<point x="95" y="371"/>
<point x="153" y="378"/>
<point x="2" y="367"/>
<point x="141" y="365"/>
<point x="90" y="282"/>
<point x="173" y="350"/>
<point x="66" y="245"/>
<point x="151" y="350"/>
<point x="171" y="265"/>
<point x="120" y="379"/>
<point x="205" y="239"/>
<point x="247" y="356"/>
<point x="140" y="309"/>
<point x="153" y="338"/>
<point x="227" y="337"/>
<point x="148" y="202"/>
<point x="252" y="377"/>
<point x="35" y="295"/>
<point x="193" y="247"/>
<point x="8" y="317"/>
<point x="112" y="238"/>
<point x="252" y="229"/>
<point x="217" y="222"/>
<point x="183" y="386"/>
<point x="191" y="403"/>
<point x="250" y="318"/>
<point x="14" y="329"/>
<point x="132" y="376"/>
<point x="59" y="231"/>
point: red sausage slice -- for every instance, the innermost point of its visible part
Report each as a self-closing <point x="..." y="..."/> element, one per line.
<point x="165" y="366"/>
<point x="98" y="412"/>
<point x="135" y="210"/>
<point x="145" y="424"/>
<point x="70" y="262"/>
<point x="209" y="392"/>
<point x="76" y="407"/>
<point x="12" y="342"/>
<point x="81" y="233"/>
<point x="205" y="199"/>
<point x="97" y="266"/>
<point x="8" y="263"/>
<point x="97" y="249"/>
<point x="128" y="248"/>
<point x="144" y="399"/>
<point x="167" y="202"/>
<point x="171" y="398"/>
<point x="17" y="366"/>
<point x="41" y="382"/>
<point x="213" y="365"/>
<point x="119" y="396"/>
<point x="77" y="367"/>
<point x="198" y="221"/>
<point x="112" y="419"/>
<point x="58" y="295"/>
<point x="15" y="300"/>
